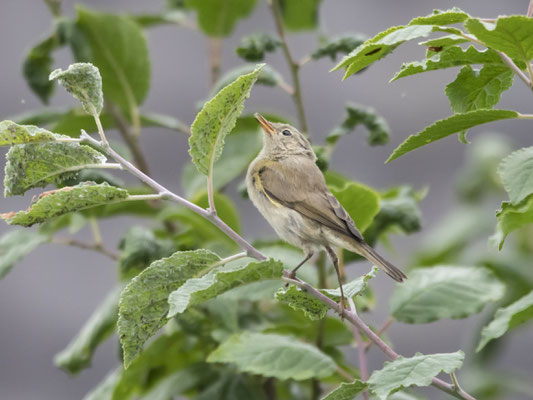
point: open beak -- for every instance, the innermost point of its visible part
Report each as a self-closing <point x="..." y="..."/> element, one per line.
<point x="267" y="126"/>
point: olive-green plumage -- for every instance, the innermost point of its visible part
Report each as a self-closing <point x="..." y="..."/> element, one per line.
<point x="290" y="191"/>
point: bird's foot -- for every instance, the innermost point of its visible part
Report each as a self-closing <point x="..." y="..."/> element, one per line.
<point x="291" y="275"/>
<point x="342" y="308"/>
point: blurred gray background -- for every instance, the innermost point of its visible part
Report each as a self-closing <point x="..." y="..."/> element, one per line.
<point x="47" y="297"/>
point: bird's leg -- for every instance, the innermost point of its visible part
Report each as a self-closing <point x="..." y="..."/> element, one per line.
<point x="335" y="261"/>
<point x="292" y="274"/>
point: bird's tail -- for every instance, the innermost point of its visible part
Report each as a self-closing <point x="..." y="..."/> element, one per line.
<point x="372" y="255"/>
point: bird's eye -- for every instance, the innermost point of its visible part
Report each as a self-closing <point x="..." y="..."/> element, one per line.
<point x="286" y="132"/>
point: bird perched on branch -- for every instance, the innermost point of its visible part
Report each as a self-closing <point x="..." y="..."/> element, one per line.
<point x="290" y="191"/>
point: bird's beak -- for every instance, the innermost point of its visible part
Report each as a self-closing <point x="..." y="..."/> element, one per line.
<point x="267" y="126"/>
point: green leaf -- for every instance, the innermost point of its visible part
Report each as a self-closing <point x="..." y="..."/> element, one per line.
<point x="346" y="391"/>
<point x="144" y="306"/>
<point x="449" y="57"/>
<point x="275" y="356"/>
<point x="120" y="52"/>
<point x="448" y="126"/>
<point x="100" y="325"/>
<point x="353" y="288"/>
<point x="440" y="292"/>
<point x="444" y="42"/>
<point x="299" y="300"/>
<point x="300" y="15"/>
<point x="62" y="201"/>
<point x="14" y="245"/>
<point x="83" y="81"/>
<point x="341" y="44"/>
<point x="413" y="371"/>
<point x="216" y="119"/>
<point x="70" y="122"/>
<point x="241" y="147"/>
<point x="253" y="47"/>
<point x="267" y="76"/>
<point x="378" y="129"/>
<point x="218" y="17"/>
<point x="439" y="17"/>
<point x="478" y="89"/>
<point x="163" y="356"/>
<point x="379" y="46"/>
<point x="197" y="231"/>
<point x="506" y="319"/>
<point x="221" y="280"/>
<point x="399" y="210"/>
<point x="312" y="308"/>
<point x="12" y="133"/>
<point x="232" y="386"/>
<point x="512" y="217"/>
<point x="139" y="248"/>
<point x="177" y="383"/>
<point x="516" y="173"/>
<point x="170" y="17"/>
<point x="37" y="67"/>
<point x="104" y="389"/>
<point x="512" y="35"/>
<point x="37" y="165"/>
<point x="360" y="201"/>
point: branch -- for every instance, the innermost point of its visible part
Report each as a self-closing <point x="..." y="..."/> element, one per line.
<point x="251" y="251"/>
<point x="95" y="247"/>
<point x="129" y="138"/>
<point x="380" y="331"/>
<point x="168" y="195"/>
<point x="358" y="323"/>
<point x="215" y="58"/>
<point x="293" y="65"/>
<point x="363" y="365"/>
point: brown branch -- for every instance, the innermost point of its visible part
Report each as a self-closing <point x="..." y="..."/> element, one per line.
<point x="361" y="353"/>
<point x="215" y="59"/>
<point x="87" y="246"/>
<point x="294" y="66"/>
<point x="380" y="331"/>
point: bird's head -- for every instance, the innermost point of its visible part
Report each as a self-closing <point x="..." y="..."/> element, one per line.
<point x="283" y="140"/>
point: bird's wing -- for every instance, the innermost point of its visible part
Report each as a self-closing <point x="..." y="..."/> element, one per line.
<point x="311" y="197"/>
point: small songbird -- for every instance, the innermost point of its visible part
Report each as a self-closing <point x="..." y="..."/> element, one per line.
<point x="290" y="191"/>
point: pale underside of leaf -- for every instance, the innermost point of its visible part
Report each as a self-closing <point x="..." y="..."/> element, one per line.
<point x="414" y="371"/>
<point x="507" y="318"/>
<point x="144" y="304"/>
<point x="441" y="292"/>
<point x="221" y="280"/>
<point x="271" y="355"/>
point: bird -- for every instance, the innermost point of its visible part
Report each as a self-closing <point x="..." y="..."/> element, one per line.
<point x="289" y="190"/>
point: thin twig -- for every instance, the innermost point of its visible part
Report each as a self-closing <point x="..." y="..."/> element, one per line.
<point x="87" y="246"/>
<point x="215" y="59"/>
<point x="358" y="322"/>
<point x="95" y="229"/>
<point x="293" y="65"/>
<point x="361" y="353"/>
<point x="380" y="331"/>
